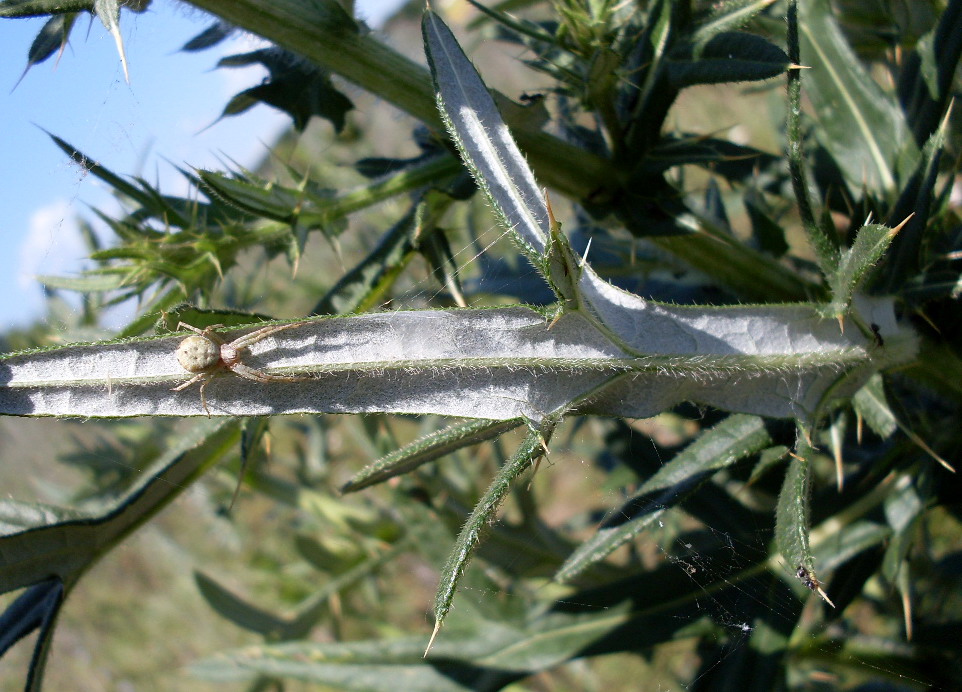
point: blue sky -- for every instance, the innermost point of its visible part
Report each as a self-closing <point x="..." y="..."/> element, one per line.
<point x="160" y="117"/>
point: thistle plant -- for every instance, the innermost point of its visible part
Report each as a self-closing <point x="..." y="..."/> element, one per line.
<point x="695" y="301"/>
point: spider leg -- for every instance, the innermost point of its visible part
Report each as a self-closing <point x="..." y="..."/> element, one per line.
<point x="250" y="373"/>
<point x="262" y="333"/>
<point x="207" y="332"/>
<point x="192" y="380"/>
<point x="204" y="378"/>
<point x="184" y="325"/>
<point x="203" y="398"/>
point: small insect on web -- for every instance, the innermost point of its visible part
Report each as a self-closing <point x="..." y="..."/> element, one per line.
<point x="206" y="355"/>
<point x="812" y="583"/>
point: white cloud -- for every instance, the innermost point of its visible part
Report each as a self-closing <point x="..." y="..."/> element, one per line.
<point x="53" y="245"/>
<point x="374" y="12"/>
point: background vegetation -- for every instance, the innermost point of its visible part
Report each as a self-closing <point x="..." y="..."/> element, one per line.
<point x="668" y="138"/>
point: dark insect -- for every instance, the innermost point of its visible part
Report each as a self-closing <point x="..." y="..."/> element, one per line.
<point x="807" y="579"/>
<point x="879" y="341"/>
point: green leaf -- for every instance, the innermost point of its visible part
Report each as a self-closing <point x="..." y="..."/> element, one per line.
<point x="925" y="83"/>
<point x="728" y="57"/>
<point x="498" y="364"/>
<point x="151" y="313"/>
<point x="870" y="403"/>
<point x="336" y="559"/>
<point x="231" y="607"/>
<point x="608" y="619"/>
<point x="563" y="266"/>
<point x="38" y="541"/>
<point x="824" y="242"/>
<point x="484" y="141"/>
<point x="201" y="318"/>
<point x="52" y="548"/>
<point x="769" y="235"/>
<point x="368" y="283"/>
<point x="734" y="162"/>
<point x="87" y="283"/>
<point x="616" y="334"/>
<point x="904" y="508"/>
<point x="370" y="666"/>
<point x="34" y="8"/>
<point x="486" y="144"/>
<point x="767" y="460"/>
<point x="344" y="363"/>
<point x="728" y="442"/>
<point x="108" y="11"/>
<point x="532" y="448"/>
<point x="314" y="207"/>
<point x="912" y="213"/>
<point x="520" y="26"/>
<point x="834" y="546"/>
<point x="35" y="608"/>
<point x="255" y="196"/>
<point x="51" y="38"/>
<point x="427" y="449"/>
<point x="294" y="86"/>
<point x="573" y="171"/>
<point x="793" y="509"/>
<point x="169" y="210"/>
<point x="861" y="126"/>
<point x="870" y="244"/>
<point x="792" y="517"/>
<point x="433" y="244"/>
<point x="91" y="166"/>
<point x="727" y="16"/>
<point x="209" y="37"/>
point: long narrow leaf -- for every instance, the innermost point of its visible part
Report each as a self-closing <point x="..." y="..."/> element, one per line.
<point x="36" y="608"/>
<point x="911" y="212"/>
<point x="497" y="364"/>
<point x="728" y="16"/>
<point x="792" y="518"/>
<point x="37" y="541"/>
<point x="427" y="449"/>
<point x="861" y="126"/>
<point x="42" y="545"/>
<point x="484" y="140"/>
<point x="871" y="404"/>
<point x="531" y="449"/>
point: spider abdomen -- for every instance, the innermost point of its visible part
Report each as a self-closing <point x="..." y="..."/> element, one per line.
<point x="198" y="353"/>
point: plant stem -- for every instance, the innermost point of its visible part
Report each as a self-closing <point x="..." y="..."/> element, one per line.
<point x="826" y="250"/>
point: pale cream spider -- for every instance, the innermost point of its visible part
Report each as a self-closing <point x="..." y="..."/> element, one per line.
<point x="207" y="354"/>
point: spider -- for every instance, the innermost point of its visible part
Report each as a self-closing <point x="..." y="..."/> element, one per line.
<point x="206" y="354"/>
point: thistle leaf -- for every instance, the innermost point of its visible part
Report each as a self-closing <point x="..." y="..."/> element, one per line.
<point x="861" y="126"/>
<point x="532" y="448"/>
<point x="854" y="264"/>
<point x="427" y="449"/>
<point x="497" y="364"/>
